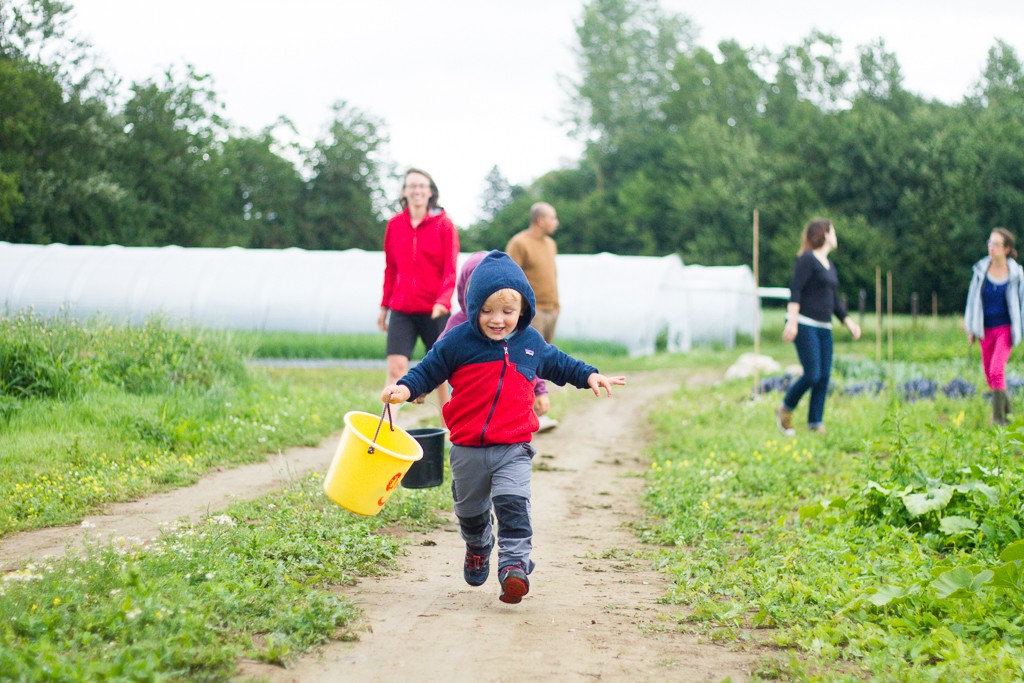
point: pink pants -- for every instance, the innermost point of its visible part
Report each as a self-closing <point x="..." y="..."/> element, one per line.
<point x="995" y="352"/>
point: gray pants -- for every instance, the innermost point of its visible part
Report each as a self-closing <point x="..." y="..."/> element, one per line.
<point x="498" y="478"/>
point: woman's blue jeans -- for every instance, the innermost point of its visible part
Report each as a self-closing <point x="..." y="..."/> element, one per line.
<point x="814" y="348"/>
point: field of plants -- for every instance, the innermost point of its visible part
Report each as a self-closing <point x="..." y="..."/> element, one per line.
<point x="887" y="549"/>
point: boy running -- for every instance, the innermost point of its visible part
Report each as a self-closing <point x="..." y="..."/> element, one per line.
<point x="492" y="362"/>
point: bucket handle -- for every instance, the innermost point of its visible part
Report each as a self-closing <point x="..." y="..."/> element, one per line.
<point x="391" y="423"/>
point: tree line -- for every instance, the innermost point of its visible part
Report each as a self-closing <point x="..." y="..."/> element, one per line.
<point x="84" y="160"/>
<point x="681" y="144"/>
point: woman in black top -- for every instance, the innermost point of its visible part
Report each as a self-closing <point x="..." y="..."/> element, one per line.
<point x="813" y="299"/>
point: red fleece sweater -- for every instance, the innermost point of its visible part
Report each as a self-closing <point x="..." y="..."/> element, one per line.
<point x="420" y="263"/>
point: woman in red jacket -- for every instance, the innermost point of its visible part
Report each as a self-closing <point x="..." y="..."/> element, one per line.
<point x="421" y="247"/>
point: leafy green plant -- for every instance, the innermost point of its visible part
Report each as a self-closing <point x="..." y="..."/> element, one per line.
<point x="890" y="544"/>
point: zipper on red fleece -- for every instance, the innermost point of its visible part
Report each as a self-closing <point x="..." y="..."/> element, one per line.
<point x="497" y="393"/>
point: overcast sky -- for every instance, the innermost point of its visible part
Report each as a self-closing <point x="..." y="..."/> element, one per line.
<point x="463" y="85"/>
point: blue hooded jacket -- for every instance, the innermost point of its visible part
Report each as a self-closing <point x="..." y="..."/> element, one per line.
<point x="492" y="381"/>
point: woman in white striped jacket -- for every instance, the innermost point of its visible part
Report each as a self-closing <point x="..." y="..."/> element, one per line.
<point x="993" y="314"/>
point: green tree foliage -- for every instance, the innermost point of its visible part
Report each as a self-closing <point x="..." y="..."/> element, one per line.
<point x="625" y="54"/>
<point x="505" y="209"/>
<point x="683" y="143"/>
<point x="80" y="165"/>
<point x="343" y="197"/>
<point x="36" y="31"/>
<point x="264" y="206"/>
<point x="164" y="161"/>
<point x="52" y="131"/>
<point x="498" y="193"/>
<point x="728" y="90"/>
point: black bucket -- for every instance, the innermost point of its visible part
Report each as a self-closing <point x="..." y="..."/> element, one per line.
<point x="428" y="471"/>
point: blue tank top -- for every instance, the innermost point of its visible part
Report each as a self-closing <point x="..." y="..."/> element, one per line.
<point x="993" y="299"/>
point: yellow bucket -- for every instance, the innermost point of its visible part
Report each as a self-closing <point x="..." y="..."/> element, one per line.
<point x="364" y="473"/>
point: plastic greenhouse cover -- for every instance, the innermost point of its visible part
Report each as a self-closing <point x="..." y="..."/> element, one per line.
<point x="631" y="300"/>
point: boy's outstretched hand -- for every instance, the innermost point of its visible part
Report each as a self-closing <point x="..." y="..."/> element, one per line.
<point x="597" y="380"/>
<point x="395" y="393"/>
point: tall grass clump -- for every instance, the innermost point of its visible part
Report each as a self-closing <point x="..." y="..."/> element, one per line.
<point x="63" y="358"/>
<point x="157" y="357"/>
<point x="42" y="359"/>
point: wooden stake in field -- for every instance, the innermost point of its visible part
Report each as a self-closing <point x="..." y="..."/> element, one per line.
<point x="757" y="322"/>
<point x="878" y="314"/>
<point x="888" y="297"/>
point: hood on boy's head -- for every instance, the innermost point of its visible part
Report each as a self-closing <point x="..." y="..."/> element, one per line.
<point x="467" y="271"/>
<point x="497" y="271"/>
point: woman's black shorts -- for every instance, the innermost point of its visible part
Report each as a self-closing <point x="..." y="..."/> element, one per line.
<point x="404" y="329"/>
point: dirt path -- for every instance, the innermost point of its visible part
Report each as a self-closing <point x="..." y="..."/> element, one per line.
<point x="592" y="613"/>
<point x="142" y="519"/>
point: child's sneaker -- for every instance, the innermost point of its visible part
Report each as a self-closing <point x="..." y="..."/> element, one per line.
<point x="546" y="424"/>
<point x="514" y="584"/>
<point x="784" y="420"/>
<point x="477" y="566"/>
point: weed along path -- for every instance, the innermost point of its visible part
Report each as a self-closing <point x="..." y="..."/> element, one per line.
<point x="141" y="520"/>
<point x="592" y="612"/>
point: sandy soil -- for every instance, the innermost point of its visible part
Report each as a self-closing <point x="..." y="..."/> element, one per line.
<point x="592" y="613"/>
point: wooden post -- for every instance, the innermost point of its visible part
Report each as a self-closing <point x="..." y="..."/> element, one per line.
<point x="757" y="323"/>
<point x="935" y="306"/>
<point x="913" y="307"/>
<point x="888" y="288"/>
<point x="878" y="314"/>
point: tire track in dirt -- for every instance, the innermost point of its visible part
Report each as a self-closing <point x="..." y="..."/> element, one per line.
<point x="592" y="613"/>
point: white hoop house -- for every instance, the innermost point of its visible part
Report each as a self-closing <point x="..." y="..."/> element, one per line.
<point x="630" y="300"/>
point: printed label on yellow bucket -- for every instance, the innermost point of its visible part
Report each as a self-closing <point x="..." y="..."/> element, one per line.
<point x="364" y="473"/>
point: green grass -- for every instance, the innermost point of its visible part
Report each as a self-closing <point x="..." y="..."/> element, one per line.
<point x="888" y="549"/>
<point x="369" y="346"/>
<point x="783" y="542"/>
<point x="124" y="412"/>
<point x="307" y="345"/>
<point x="98" y="414"/>
<point x="62" y="459"/>
<point x="259" y="580"/>
<point x="925" y="340"/>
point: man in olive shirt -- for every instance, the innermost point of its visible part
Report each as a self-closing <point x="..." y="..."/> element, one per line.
<point x="535" y="252"/>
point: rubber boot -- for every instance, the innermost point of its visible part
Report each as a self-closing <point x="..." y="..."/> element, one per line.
<point x="999" y="401"/>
